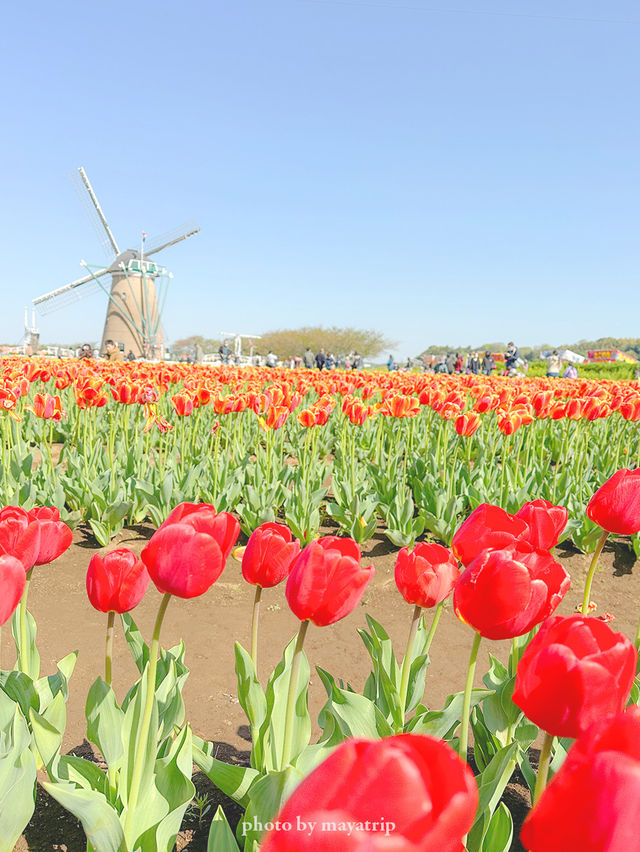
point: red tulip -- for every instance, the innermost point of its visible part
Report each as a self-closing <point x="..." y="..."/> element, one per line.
<point x="204" y="518"/>
<point x="269" y="555"/>
<point x="616" y="505"/>
<point x="403" y="794"/>
<point x="505" y="593"/>
<point x="12" y="582"/>
<point x="55" y="535"/>
<point x="117" y="581"/>
<point x="346" y="546"/>
<point x="327" y="582"/>
<point x="186" y="555"/>
<point x="19" y="535"/>
<point x="592" y="804"/>
<point x="545" y="521"/>
<point x="426" y="575"/>
<point x="575" y="671"/>
<point x="487" y="527"/>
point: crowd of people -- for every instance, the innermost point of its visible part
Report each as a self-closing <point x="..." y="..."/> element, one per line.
<point x="510" y="363"/>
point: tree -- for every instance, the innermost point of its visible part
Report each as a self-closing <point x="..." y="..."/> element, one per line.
<point x="287" y="343"/>
<point x="186" y="346"/>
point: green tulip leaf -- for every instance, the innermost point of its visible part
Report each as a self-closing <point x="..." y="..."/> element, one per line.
<point x="500" y="831"/>
<point x="353" y="714"/>
<point x="105" y="722"/>
<point x="49" y="687"/>
<point x="272" y="729"/>
<point x="266" y="798"/>
<point x="138" y="647"/>
<point x="48" y="729"/>
<point x="234" y="781"/>
<point x="443" y="723"/>
<point x="17" y="774"/>
<point x="99" y="820"/>
<point x="130" y="736"/>
<point x="30" y="652"/>
<point x="252" y="700"/>
<point x="221" y="837"/>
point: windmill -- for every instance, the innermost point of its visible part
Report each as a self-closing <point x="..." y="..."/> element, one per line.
<point x="138" y="288"/>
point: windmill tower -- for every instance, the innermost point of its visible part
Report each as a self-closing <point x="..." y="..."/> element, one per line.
<point x="138" y="287"/>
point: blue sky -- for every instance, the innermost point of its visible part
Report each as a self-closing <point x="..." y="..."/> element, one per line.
<point x="444" y="176"/>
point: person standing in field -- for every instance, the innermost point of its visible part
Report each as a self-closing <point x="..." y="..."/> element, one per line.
<point x="511" y="358"/>
<point x="554" y="365"/>
<point x="571" y="372"/>
<point x="320" y="359"/>
<point x="308" y="358"/>
<point x="473" y="364"/>
<point x="488" y="364"/>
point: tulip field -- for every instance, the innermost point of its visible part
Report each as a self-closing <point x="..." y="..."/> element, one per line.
<point x="275" y="501"/>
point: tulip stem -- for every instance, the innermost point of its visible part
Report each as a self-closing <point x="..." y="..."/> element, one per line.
<point x="254" y="627"/>
<point x="406" y="663"/>
<point x="432" y="629"/>
<point x="592" y="568"/>
<point x="543" y="767"/>
<point x="108" y="654"/>
<point x="291" y="696"/>
<point x="466" y="704"/>
<point x="143" y="731"/>
<point x="24" y="662"/>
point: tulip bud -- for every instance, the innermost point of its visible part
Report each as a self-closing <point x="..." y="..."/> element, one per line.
<point x="55" y="535"/>
<point x="426" y="575"/>
<point x="117" y="581"/>
<point x="326" y="582"/>
<point x="269" y="555"/>
<point x="186" y="555"/>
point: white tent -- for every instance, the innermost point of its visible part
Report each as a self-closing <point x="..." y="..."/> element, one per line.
<point x="566" y="355"/>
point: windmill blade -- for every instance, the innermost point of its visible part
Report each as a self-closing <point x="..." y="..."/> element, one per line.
<point x="46" y="298"/>
<point x="92" y="205"/>
<point x="170" y="238"/>
<point x="68" y="298"/>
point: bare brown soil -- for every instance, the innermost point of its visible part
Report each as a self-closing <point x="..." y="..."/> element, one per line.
<point x="210" y="624"/>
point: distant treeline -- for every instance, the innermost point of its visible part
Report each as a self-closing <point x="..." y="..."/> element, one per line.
<point x="287" y="343"/>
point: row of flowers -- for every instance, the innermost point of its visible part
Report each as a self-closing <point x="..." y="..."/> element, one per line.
<point x="229" y="390"/>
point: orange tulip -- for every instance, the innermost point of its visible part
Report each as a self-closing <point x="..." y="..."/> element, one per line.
<point x="466" y="424"/>
<point x="182" y="404"/>
<point x="47" y="407"/>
